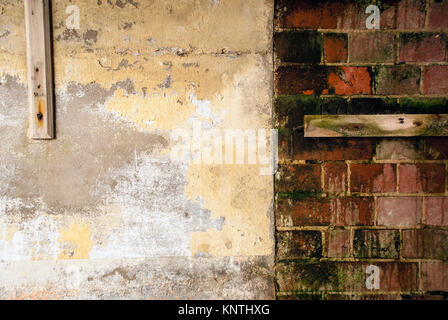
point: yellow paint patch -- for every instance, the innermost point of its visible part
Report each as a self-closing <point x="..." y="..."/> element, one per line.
<point x="76" y="241"/>
<point x="10" y="232"/>
<point x="243" y="198"/>
<point x="161" y="111"/>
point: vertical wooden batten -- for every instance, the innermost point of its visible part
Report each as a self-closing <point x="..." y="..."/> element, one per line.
<point x="40" y="69"/>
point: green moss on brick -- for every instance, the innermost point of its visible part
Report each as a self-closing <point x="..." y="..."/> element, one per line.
<point x="298" y="46"/>
<point x="297" y="195"/>
<point x="290" y="110"/>
<point x="374" y="106"/>
<point x="423" y="105"/>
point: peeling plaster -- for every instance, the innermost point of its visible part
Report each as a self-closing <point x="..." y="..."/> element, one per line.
<point x="102" y="212"/>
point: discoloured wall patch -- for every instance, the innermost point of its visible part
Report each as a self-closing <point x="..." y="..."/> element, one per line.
<point x="75" y="241"/>
<point x="102" y="211"/>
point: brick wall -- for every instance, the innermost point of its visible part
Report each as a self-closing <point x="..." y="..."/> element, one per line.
<point x="343" y="204"/>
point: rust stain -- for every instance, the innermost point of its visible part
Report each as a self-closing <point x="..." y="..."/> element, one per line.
<point x="40" y="111"/>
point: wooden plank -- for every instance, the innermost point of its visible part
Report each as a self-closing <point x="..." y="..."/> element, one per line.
<point x="404" y="125"/>
<point x="40" y="73"/>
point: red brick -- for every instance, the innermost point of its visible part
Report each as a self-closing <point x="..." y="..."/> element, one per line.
<point x="336" y="47"/>
<point x="309" y="14"/>
<point x="437" y="14"/>
<point x="291" y="80"/>
<point x="315" y="79"/>
<point x="284" y="145"/>
<point x="306" y="276"/>
<point x="299" y="244"/>
<point x="398" y="79"/>
<point x="434" y="276"/>
<point x="298" y="177"/>
<point x="343" y="211"/>
<point x="436" y="148"/>
<point x="398" y="276"/>
<point x="350" y="80"/>
<point x="410" y="14"/>
<point x="435" y="80"/>
<point x="306" y="212"/>
<point x="335" y="177"/>
<point x="334" y="149"/>
<point x="422" y="47"/>
<point x="372" y="47"/>
<point x="375" y="177"/>
<point x="302" y="47"/>
<point x="425" y="244"/>
<point x="399" y="149"/>
<point x="338" y="241"/>
<point x="423" y="177"/>
<point x="388" y="17"/>
<point x="352" y="211"/>
<point x="399" y="211"/>
<point x="436" y="211"/>
<point x="381" y="244"/>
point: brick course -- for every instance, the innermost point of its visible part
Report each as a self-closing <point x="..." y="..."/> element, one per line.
<point x="361" y="201"/>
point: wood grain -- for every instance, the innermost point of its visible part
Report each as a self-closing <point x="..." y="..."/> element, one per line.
<point x="404" y="125"/>
<point x="40" y="73"/>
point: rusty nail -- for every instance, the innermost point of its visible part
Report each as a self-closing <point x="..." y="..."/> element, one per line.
<point x="40" y="116"/>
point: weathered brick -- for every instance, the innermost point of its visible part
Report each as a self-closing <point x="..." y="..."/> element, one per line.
<point x="434" y="276"/>
<point x="338" y="243"/>
<point x="327" y="14"/>
<point x="372" y="47"/>
<point x="303" y="212"/>
<point x="382" y="244"/>
<point x="410" y="14"/>
<point x="399" y="149"/>
<point x="344" y="276"/>
<point x="336" y="47"/>
<point x="335" y="105"/>
<point x="437" y="14"/>
<point x="399" y="211"/>
<point x="436" y="148"/>
<point x="299" y="244"/>
<point x="422" y="47"/>
<point x="352" y="211"/>
<point x="310" y="14"/>
<point x="398" y="79"/>
<point x="435" y="80"/>
<point x="298" y="177"/>
<point x="284" y="144"/>
<point x="290" y="110"/>
<point x="398" y="276"/>
<point x="335" y="177"/>
<point x="423" y="105"/>
<point x="375" y="177"/>
<point x="350" y="80"/>
<point x="334" y="149"/>
<point x="301" y="79"/>
<point x="316" y="79"/>
<point x="422" y="177"/>
<point x="311" y="211"/>
<point x="425" y="244"/>
<point x="374" y="105"/>
<point x="304" y="46"/>
<point x="436" y="211"/>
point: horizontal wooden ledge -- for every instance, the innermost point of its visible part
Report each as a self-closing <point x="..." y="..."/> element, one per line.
<point x="384" y="125"/>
